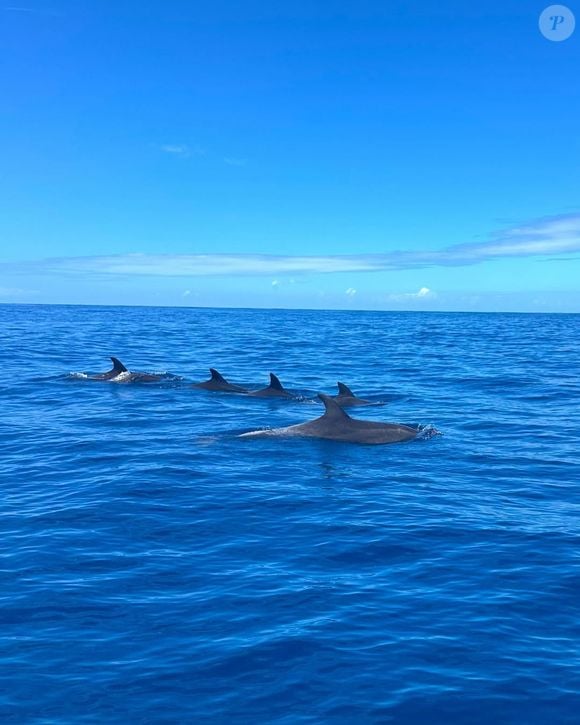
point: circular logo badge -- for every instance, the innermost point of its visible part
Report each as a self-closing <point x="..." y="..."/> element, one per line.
<point x="557" y="22"/>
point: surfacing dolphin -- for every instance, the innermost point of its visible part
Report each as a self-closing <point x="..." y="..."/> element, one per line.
<point x="218" y="383"/>
<point x="274" y="390"/>
<point x="346" y="398"/>
<point x="120" y="374"/>
<point x="336" y="425"/>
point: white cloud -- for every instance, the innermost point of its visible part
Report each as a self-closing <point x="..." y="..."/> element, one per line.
<point x="202" y="265"/>
<point x="423" y="293"/>
<point x="350" y="292"/>
<point x="551" y="236"/>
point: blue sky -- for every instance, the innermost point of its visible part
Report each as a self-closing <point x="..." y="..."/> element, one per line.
<point x="371" y="155"/>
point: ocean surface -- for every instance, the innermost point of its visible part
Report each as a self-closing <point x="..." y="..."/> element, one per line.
<point x="156" y="568"/>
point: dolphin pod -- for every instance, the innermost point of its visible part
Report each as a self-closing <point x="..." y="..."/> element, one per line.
<point x="336" y="425"/>
<point x="275" y="389"/>
<point x="218" y="383"/>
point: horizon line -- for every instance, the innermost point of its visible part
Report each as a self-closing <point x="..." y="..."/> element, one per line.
<point x="290" y="309"/>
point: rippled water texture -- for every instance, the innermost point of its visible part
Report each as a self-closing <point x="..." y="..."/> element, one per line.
<point x="155" y="568"/>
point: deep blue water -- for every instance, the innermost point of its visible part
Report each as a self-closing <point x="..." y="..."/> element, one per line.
<point x="155" y="568"/>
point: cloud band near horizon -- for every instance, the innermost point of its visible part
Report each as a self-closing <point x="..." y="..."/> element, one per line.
<point x="550" y="236"/>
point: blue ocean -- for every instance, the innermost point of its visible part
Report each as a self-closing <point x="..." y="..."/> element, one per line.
<point x="157" y="568"/>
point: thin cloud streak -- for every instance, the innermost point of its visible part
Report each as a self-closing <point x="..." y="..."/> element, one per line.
<point x="549" y="236"/>
<point x="231" y="161"/>
<point x="176" y="150"/>
<point x="33" y="11"/>
<point x="206" y="265"/>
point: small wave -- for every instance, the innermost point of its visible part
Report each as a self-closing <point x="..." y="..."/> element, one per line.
<point x="77" y="376"/>
<point x="428" y="431"/>
<point x="121" y="378"/>
<point x="306" y="399"/>
<point x="261" y="433"/>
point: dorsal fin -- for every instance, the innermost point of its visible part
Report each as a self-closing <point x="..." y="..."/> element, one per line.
<point x="217" y="377"/>
<point x="275" y="382"/>
<point x="118" y="366"/>
<point x="333" y="409"/>
<point x="345" y="390"/>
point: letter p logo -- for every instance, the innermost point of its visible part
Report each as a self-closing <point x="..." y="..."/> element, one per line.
<point x="557" y="22"/>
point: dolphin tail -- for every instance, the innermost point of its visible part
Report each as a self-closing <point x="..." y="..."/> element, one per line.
<point x="345" y="390"/>
<point x="118" y="366"/>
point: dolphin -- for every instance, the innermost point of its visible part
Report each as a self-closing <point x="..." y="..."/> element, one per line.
<point x="346" y="397"/>
<point x="218" y="383"/>
<point x="116" y="370"/>
<point x="120" y="374"/>
<point x="336" y="425"/>
<point x="274" y="390"/>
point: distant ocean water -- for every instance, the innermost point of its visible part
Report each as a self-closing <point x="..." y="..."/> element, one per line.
<point x="154" y="568"/>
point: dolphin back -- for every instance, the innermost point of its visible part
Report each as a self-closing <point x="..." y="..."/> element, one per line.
<point x="345" y="390"/>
